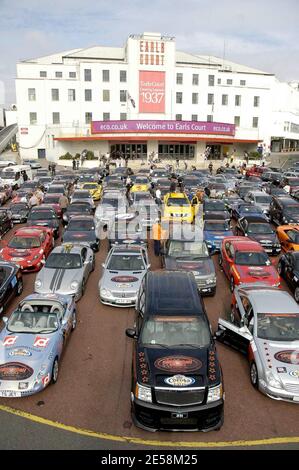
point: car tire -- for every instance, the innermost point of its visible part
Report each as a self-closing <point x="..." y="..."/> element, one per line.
<point x="220" y="260"/>
<point x="55" y="371"/>
<point x="20" y="287"/>
<point x="74" y="320"/>
<point x="254" y="377"/>
<point x="296" y="294"/>
<point x="93" y="264"/>
<point x="232" y="284"/>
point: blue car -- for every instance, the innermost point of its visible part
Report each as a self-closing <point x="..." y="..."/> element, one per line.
<point x="32" y="341"/>
<point x="244" y="209"/>
<point x="214" y="231"/>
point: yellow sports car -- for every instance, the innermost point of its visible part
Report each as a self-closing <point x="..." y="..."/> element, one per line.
<point x="141" y="184"/>
<point x="95" y="190"/>
<point x="178" y="208"/>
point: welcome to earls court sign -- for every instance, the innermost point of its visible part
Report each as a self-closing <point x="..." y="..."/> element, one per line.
<point x="177" y="127"/>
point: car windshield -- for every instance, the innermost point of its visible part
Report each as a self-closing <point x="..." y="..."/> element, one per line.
<point x="63" y="261"/>
<point x="263" y="199"/>
<point x="51" y="199"/>
<point x="24" y="242"/>
<point x="252" y="258"/>
<point x="78" y="208"/>
<point x="90" y="186"/>
<point x="126" y="263"/>
<point x="214" y="206"/>
<point x="211" y="226"/>
<point x="80" y="225"/>
<point x="189" y="249"/>
<point x="250" y="209"/>
<point x="111" y="202"/>
<point x="260" y="228"/>
<point x="28" y="321"/>
<point x="178" y="201"/>
<point x="175" y="331"/>
<point x="81" y="195"/>
<point x="292" y="209"/>
<point x="294" y="237"/>
<point x="56" y="189"/>
<point x="42" y="215"/>
<point x="18" y="207"/>
<point x="278" y="326"/>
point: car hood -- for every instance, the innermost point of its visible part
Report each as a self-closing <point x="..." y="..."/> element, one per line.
<point x="263" y="237"/>
<point x="216" y="235"/>
<point x="122" y="280"/>
<point x="258" y="273"/>
<point x="203" y="267"/>
<point x="282" y="356"/>
<point x="52" y="223"/>
<point x="157" y="364"/>
<point x="15" y="253"/>
<point x="58" y="280"/>
<point x="75" y="236"/>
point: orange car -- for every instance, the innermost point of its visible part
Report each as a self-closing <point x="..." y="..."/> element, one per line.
<point x="288" y="236"/>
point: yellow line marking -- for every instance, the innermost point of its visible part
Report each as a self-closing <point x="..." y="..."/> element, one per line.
<point x="148" y="442"/>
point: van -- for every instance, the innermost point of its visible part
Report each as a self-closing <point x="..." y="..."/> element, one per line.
<point x="176" y="376"/>
<point x="12" y="175"/>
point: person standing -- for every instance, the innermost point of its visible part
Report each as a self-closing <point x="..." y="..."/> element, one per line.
<point x="185" y="165"/>
<point x="210" y="167"/>
<point x="74" y="163"/>
<point x="158" y="196"/>
<point x="157" y="235"/>
<point x="63" y="202"/>
<point x="177" y="162"/>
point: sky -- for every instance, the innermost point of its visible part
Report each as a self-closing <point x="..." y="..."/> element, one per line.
<point x="263" y="34"/>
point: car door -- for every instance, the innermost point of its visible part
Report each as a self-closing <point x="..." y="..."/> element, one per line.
<point x="227" y="258"/>
<point x="234" y="336"/>
<point x="288" y="269"/>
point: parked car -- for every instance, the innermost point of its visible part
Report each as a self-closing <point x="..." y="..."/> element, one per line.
<point x="260" y="199"/>
<point x="178" y="208"/>
<point x="19" y="212"/>
<point x="126" y="230"/>
<point x="82" y="195"/>
<point x="284" y="210"/>
<point x="245" y="209"/>
<point x="76" y="208"/>
<point x="11" y="283"/>
<point x="258" y="229"/>
<point x="176" y="376"/>
<point x="214" y="231"/>
<point x="288" y="268"/>
<point x="288" y="236"/>
<point x="111" y="205"/>
<point x="123" y="271"/>
<point x="212" y="209"/>
<point x="53" y="201"/>
<point x="95" y="190"/>
<point x="81" y="230"/>
<point x="6" y="222"/>
<point x="32" y="342"/>
<point x="44" y="215"/>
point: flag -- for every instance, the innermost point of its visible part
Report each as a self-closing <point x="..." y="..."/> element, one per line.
<point x="131" y="100"/>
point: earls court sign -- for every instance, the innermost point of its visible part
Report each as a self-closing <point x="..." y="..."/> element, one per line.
<point x="167" y="127"/>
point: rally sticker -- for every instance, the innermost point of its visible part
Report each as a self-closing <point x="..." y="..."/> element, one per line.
<point x="41" y="342"/>
<point x="281" y="370"/>
<point x="46" y="379"/>
<point x="9" y="340"/>
<point x="294" y="373"/>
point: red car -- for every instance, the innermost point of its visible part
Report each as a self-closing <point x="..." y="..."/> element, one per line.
<point x="245" y="261"/>
<point x="28" y="247"/>
<point x="255" y="171"/>
<point x="53" y="201"/>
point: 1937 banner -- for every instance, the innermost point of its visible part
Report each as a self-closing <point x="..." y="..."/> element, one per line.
<point x="151" y="92"/>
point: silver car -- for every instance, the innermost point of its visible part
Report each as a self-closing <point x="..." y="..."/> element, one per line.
<point x="32" y="341"/>
<point x="66" y="271"/>
<point x="123" y="272"/>
<point x="265" y="326"/>
<point x="260" y="199"/>
<point x="111" y="205"/>
<point x="82" y="195"/>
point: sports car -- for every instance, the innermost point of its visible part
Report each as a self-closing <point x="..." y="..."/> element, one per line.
<point x="288" y="236"/>
<point x="44" y="216"/>
<point x="260" y="230"/>
<point x="141" y="183"/>
<point x="245" y="261"/>
<point x="66" y="271"/>
<point x="82" y="195"/>
<point x="29" y="247"/>
<point x="81" y="229"/>
<point x="177" y="208"/>
<point x="19" y="212"/>
<point x="32" y="341"/>
<point x="94" y="189"/>
<point x="6" y="222"/>
<point x="214" y="231"/>
<point x="244" y="208"/>
<point x="265" y="327"/>
<point x="76" y="208"/>
<point x="124" y="269"/>
<point x="52" y="200"/>
<point x="11" y="283"/>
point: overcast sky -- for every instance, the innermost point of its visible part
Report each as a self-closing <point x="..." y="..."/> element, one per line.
<point x="259" y="33"/>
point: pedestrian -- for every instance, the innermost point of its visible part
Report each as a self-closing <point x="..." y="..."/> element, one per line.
<point x="177" y="162"/>
<point x="25" y="176"/>
<point x="185" y="165"/>
<point x="158" y="196"/>
<point x="172" y="188"/>
<point x="63" y="202"/>
<point x="33" y="201"/>
<point x="74" y="163"/>
<point x="181" y="183"/>
<point x="129" y="185"/>
<point x="207" y="191"/>
<point x="77" y="164"/>
<point x="39" y="194"/>
<point x="157" y="235"/>
<point x="210" y="167"/>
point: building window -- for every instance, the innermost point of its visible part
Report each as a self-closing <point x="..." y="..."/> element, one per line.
<point x="210" y="98"/>
<point x="179" y="97"/>
<point x="237" y="121"/>
<point x="194" y="98"/>
<point x="106" y="75"/>
<point x="106" y="95"/>
<point x="58" y="74"/>
<point x="88" y="118"/>
<point x="55" y="94"/>
<point x="123" y="96"/>
<point x="211" y="80"/>
<point x="71" y="94"/>
<point x="229" y="81"/>
<point x="242" y="82"/>
<point x="87" y="75"/>
<point x="43" y="74"/>
<point x="33" y="118"/>
<point x="194" y="117"/>
<point x="31" y="94"/>
<point x="237" y="100"/>
<point x="178" y="117"/>
<point x="209" y="118"/>
<point x="88" y="95"/>
<point x="55" y="118"/>
<point x="255" y="122"/>
<point x="123" y="116"/>
<point x="225" y="100"/>
<point x="106" y="116"/>
<point x="179" y="79"/>
<point x="195" y="79"/>
<point x="219" y="81"/>
<point x="73" y="75"/>
<point x="123" y="76"/>
<point x="256" y="101"/>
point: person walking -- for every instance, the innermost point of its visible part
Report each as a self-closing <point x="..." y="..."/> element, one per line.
<point x="74" y="163"/>
<point x="210" y="167"/>
<point x="63" y="202"/>
<point x="177" y="162"/>
<point x="185" y="165"/>
<point x="157" y="234"/>
<point x="33" y="201"/>
<point x="158" y="196"/>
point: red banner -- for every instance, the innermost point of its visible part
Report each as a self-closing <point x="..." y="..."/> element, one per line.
<point x="151" y="92"/>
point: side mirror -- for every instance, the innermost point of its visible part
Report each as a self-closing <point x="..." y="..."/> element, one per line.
<point x="131" y="333"/>
<point x="148" y="266"/>
<point x="5" y="320"/>
<point x="64" y="322"/>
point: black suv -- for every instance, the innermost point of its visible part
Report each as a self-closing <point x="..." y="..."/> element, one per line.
<point x="284" y="210"/>
<point x="259" y="229"/>
<point x="288" y="268"/>
<point x="177" y="379"/>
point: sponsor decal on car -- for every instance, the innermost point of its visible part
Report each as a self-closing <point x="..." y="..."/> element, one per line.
<point x="178" y="364"/>
<point x="15" y="371"/>
<point x="41" y="342"/>
<point x="179" y="381"/>
<point x="290" y="356"/>
<point x="46" y="379"/>
<point x="281" y="370"/>
<point x="22" y="352"/>
<point x="124" y="279"/>
<point x="9" y="340"/>
<point x="294" y="373"/>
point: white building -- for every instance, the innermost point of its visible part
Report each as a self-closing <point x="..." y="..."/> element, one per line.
<point x="148" y="97"/>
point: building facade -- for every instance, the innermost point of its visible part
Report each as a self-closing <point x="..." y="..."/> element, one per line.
<point x="147" y="98"/>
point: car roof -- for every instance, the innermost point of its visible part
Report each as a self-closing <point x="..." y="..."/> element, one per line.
<point x="287" y="200"/>
<point x="241" y="244"/>
<point x="270" y="300"/>
<point x="68" y="248"/>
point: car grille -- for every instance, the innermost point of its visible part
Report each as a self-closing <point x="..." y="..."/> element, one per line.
<point x="180" y="397"/>
<point x="293" y="388"/>
<point x="124" y="295"/>
<point x="200" y="282"/>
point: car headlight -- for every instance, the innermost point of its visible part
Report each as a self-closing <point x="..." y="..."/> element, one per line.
<point x="215" y="393"/>
<point x="41" y="371"/>
<point x="212" y="280"/>
<point x="23" y="385"/>
<point x="143" y="393"/>
<point x="35" y="257"/>
<point x="272" y="381"/>
<point x="74" y="285"/>
<point x="277" y="245"/>
<point x="105" y="292"/>
<point x="38" y="283"/>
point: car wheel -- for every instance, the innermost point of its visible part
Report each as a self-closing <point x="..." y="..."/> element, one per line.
<point x="254" y="377"/>
<point x="20" y="287"/>
<point x="220" y="260"/>
<point x="93" y="264"/>
<point x="55" y="371"/>
<point x="232" y="316"/>
<point x="296" y="294"/>
<point x="232" y="284"/>
<point x="74" y="320"/>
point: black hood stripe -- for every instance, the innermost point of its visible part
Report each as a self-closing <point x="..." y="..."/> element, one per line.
<point x="54" y="279"/>
<point x="59" y="279"/>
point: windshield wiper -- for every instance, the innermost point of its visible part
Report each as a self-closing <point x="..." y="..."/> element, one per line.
<point x="156" y="344"/>
<point x="49" y="330"/>
<point x="195" y="346"/>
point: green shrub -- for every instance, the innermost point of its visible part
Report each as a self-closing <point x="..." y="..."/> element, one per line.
<point x="66" y="156"/>
<point x="255" y="155"/>
<point x="90" y="155"/>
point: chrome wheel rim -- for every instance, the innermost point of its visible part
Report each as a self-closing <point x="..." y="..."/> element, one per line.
<point x="55" y="371"/>
<point x="253" y="374"/>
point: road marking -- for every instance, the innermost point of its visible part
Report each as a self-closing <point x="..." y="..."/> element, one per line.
<point x="148" y="442"/>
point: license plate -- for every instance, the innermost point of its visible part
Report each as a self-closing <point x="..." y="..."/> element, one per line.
<point x="268" y="250"/>
<point x="123" y="301"/>
<point x="10" y="393"/>
<point x="179" y="415"/>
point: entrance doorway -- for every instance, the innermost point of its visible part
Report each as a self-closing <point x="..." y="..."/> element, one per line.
<point x="41" y="153"/>
<point x="128" y="150"/>
<point x="213" y="152"/>
<point x="176" y="150"/>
